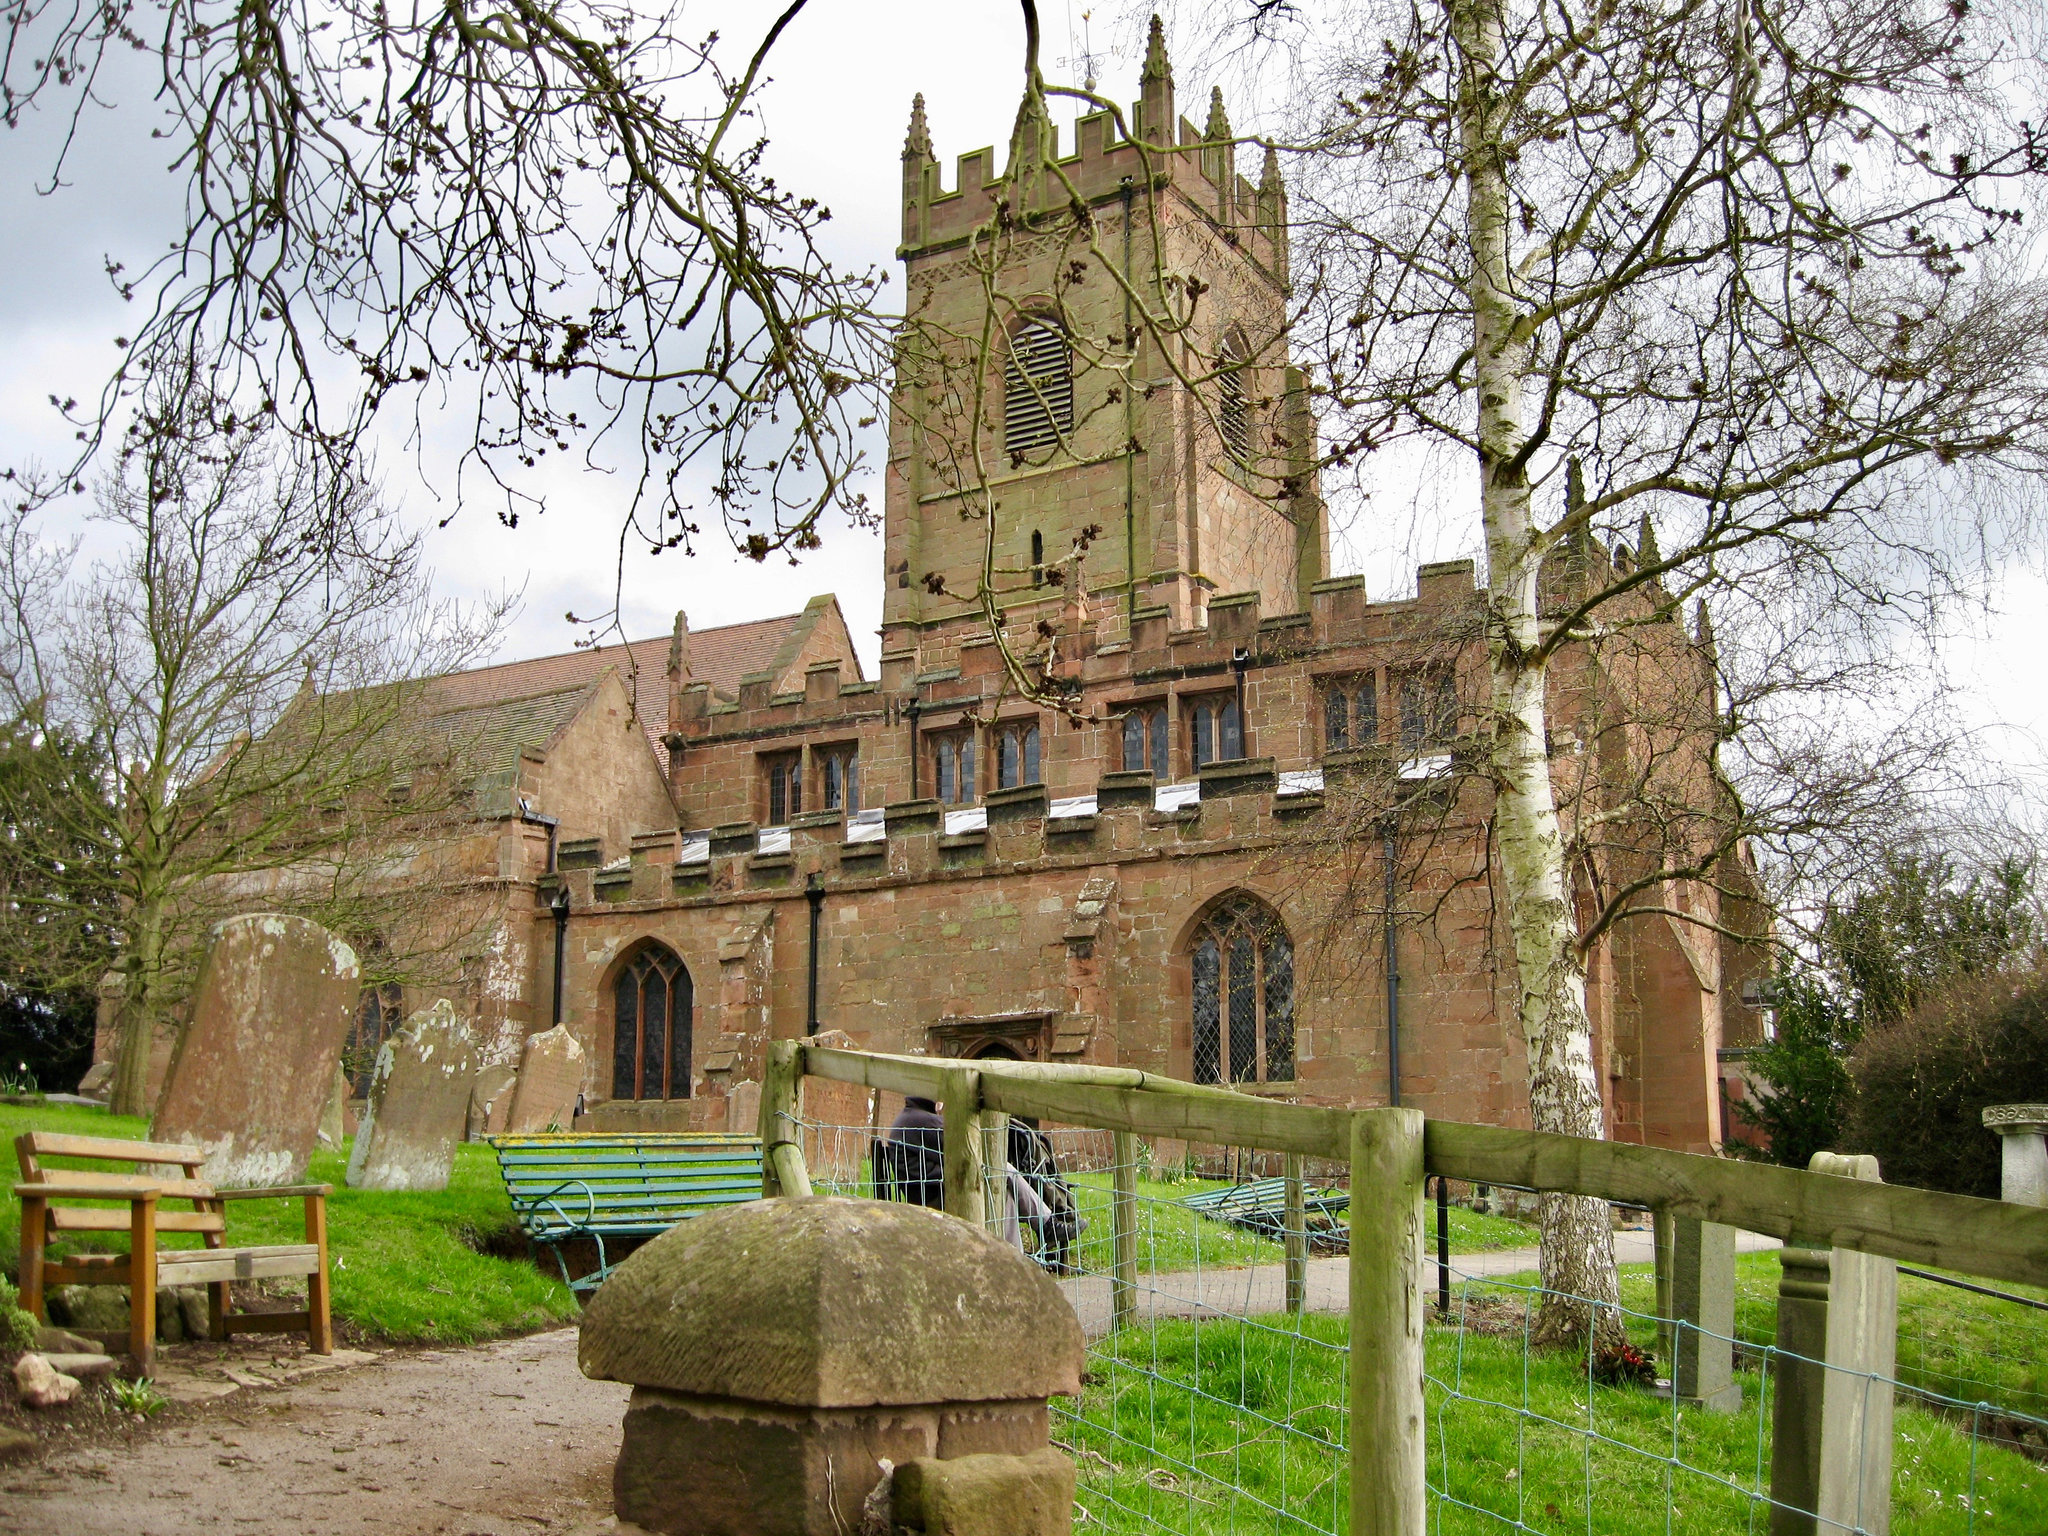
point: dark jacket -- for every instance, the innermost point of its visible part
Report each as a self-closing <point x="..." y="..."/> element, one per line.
<point x="910" y="1162"/>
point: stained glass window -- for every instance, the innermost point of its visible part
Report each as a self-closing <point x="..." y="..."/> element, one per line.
<point x="651" y="1017"/>
<point x="1243" y="973"/>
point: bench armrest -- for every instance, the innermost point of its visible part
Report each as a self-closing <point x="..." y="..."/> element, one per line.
<point x="275" y="1192"/>
<point x="61" y="1189"/>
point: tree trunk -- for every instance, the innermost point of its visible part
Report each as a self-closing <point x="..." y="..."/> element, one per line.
<point x="1564" y="1091"/>
<point x="137" y="1034"/>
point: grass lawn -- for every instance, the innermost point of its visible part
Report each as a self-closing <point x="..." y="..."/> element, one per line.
<point x="1231" y="1426"/>
<point x="405" y="1267"/>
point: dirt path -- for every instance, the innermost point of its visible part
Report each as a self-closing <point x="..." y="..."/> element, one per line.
<point x="503" y="1438"/>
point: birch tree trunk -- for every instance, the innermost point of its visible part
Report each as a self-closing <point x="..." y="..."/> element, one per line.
<point x="1564" y="1092"/>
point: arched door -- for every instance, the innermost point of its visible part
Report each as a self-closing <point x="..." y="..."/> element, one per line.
<point x="653" y="1005"/>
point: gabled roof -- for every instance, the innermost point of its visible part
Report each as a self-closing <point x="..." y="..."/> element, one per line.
<point x="522" y="703"/>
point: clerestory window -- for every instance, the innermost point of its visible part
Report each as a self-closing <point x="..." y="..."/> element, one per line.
<point x="1351" y="712"/>
<point x="1145" y="740"/>
<point x="1017" y="755"/>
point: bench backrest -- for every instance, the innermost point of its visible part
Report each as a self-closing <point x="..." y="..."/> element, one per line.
<point x="626" y="1183"/>
<point x="31" y="1147"/>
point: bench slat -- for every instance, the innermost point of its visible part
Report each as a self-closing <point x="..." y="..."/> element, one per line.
<point x="204" y="1266"/>
<point x="97" y="1218"/>
<point x="107" y="1148"/>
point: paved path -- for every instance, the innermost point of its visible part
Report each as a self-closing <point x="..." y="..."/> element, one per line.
<point x="1263" y="1288"/>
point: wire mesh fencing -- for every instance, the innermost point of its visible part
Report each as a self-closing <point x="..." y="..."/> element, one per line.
<point x="1215" y="1396"/>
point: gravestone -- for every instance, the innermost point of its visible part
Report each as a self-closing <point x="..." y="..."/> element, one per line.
<point x="418" y="1105"/>
<point x="1703" y="1308"/>
<point x="2023" y="1154"/>
<point x="254" y="1067"/>
<point x="550" y="1078"/>
<point x="743" y="1108"/>
<point x="334" y="1123"/>
<point x="490" y="1100"/>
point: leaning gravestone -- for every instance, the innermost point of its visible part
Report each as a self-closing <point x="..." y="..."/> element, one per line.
<point x="255" y="1064"/>
<point x="334" y="1119"/>
<point x="418" y="1104"/>
<point x="550" y="1078"/>
<point x="490" y="1100"/>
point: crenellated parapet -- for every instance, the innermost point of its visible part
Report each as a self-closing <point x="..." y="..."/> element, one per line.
<point x="1156" y="149"/>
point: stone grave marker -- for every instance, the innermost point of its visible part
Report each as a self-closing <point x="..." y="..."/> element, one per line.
<point x="418" y="1104"/>
<point x="1703" y="1297"/>
<point x="490" y="1100"/>
<point x="334" y="1123"/>
<point x="550" y="1078"/>
<point x="254" y="1067"/>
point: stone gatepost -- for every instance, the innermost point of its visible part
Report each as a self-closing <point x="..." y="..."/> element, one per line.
<point x="787" y="1354"/>
<point x="2023" y="1171"/>
<point x="1831" y="1421"/>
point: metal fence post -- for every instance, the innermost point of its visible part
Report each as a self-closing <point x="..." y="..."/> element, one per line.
<point x="1123" y="1228"/>
<point x="1388" y="1494"/>
<point x="1296" y="1235"/>
<point x="966" y="1186"/>
<point x="782" y="1156"/>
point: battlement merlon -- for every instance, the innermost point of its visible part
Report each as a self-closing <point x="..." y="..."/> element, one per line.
<point x="1198" y="163"/>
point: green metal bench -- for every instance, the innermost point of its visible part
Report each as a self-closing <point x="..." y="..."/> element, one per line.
<point x="1261" y="1207"/>
<point x="569" y="1186"/>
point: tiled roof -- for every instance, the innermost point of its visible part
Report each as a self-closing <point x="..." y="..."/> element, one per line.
<point x="720" y="657"/>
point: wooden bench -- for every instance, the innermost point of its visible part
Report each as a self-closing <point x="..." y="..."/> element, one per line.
<point x="47" y="1212"/>
<point x="565" y="1186"/>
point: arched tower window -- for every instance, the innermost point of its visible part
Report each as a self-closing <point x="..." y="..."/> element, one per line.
<point x="1234" y="406"/>
<point x="1243" y="964"/>
<point x="1038" y="388"/>
<point x="652" y="1008"/>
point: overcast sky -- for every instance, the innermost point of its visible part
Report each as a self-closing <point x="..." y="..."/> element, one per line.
<point x="836" y="112"/>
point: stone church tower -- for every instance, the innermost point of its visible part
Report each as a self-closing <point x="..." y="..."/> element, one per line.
<point x="1186" y="440"/>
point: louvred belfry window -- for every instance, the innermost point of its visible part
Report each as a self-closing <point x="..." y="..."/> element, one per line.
<point x="1243" y="964"/>
<point x="1038" y="389"/>
<point x="1234" y="413"/>
<point x="652" y="1004"/>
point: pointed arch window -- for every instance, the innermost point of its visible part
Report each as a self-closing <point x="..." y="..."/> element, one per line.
<point x="1038" y="389"/>
<point x="653" y="1004"/>
<point x="1233" y="400"/>
<point x="1243" y="964"/>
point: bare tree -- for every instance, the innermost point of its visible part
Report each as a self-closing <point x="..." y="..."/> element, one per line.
<point x="552" y="219"/>
<point x="232" y="654"/>
<point x="1756" y="273"/>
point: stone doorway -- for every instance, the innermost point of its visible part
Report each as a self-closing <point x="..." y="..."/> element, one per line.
<point x="1024" y="1036"/>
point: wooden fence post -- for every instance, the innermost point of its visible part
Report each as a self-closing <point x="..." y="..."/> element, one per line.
<point x="781" y="1080"/>
<point x="1123" y="1230"/>
<point x="966" y="1193"/>
<point x="1296" y="1236"/>
<point x="1388" y="1494"/>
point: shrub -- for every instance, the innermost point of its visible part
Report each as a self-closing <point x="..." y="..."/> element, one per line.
<point x="1800" y="1076"/>
<point x="17" y="1328"/>
<point x="1922" y="1084"/>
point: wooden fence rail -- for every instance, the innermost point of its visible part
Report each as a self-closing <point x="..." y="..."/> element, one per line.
<point x="1390" y="1152"/>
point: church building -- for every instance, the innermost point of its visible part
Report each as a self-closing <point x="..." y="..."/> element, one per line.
<point x="1248" y="843"/>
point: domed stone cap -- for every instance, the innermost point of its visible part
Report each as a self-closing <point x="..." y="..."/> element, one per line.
<point x="829" y="1303"/>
